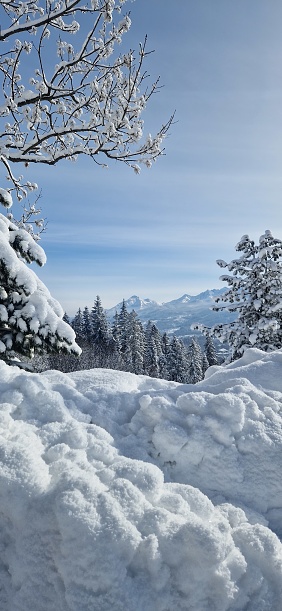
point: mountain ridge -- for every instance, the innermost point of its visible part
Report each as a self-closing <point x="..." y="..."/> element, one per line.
<point x="176" y="316"/>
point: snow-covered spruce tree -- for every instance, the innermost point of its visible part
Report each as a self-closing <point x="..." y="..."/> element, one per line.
<point x="153" y="350"/>
<point x="100" y="334"/>
<point x="114" y="345"/>
<point x="86" y="324"/>
<point x="177" y="363"/>
<point x="163" y="369"/>
<point x="136" y="341"/>
<point x="195" y="362"/>
<point x="205" y="364"/>
<point x="65" y="93"/>
<point x="255" y="293"/>
<point x="77" y="325"/>
<point x="122" y="323"/>
<point x="30" y="319"/>
<point x="209" y="351"/>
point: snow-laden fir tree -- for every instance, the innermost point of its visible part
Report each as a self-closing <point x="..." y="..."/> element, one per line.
<point x="122" y="323"/>
<point x="177" y="361"/>
<point x="163" y="365"/>
<point x="205" y="364"/>
<point x="100" y="334"/>
<point x="68" y="90"/>
<point x="255" y="294"/>
<point x="77" y="325"/>
<point x="114" y="345"/>
<point x="86" y="324"/>
<point x="30" y="319"/>
<point x="209" y="351"/>
<point x="153" y="350"/>
<point x="135" y="344"/>
<point x="195" y="362"/>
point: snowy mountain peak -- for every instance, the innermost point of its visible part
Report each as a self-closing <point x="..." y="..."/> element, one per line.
<point x="178" y="314"/>
<point x="184" y="299"/>
<point x="133" y="303"/>
<point x="209" y="294"/>
<point x="138" y="302"/>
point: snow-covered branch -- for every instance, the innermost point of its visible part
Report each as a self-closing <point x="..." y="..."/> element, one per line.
<point x="66" y="95"/>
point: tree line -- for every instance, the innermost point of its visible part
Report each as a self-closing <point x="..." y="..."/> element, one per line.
<point x="127" y="345"/>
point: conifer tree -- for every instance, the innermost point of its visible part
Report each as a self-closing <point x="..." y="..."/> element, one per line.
<point x="205" y="364"/>
<point x="163" y="364"/>
<point x="30" y="319"/>
<point x="153" y="350"/>
<point x="99" y="334"/>
<point x="77" y="324"/>
<point x="165" y="344"/>
<point x="195" y="362"/>
<point x="135" y="344"/>
<point x="209" y="351"/>
<point x="177" y="361"/>
<point x="115" y="361"/>
<point x="122" y="321"/>
<point x="86" y="324"/>
<point x="255" y="294"/>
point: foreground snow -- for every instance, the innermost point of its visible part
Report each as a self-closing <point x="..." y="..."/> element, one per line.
<point x="126" y="493"/>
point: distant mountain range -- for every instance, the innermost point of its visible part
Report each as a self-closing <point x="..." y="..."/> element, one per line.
<point x="176" y="317"/>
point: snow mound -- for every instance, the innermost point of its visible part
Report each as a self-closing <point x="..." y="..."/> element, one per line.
<point x="124" y="493"/>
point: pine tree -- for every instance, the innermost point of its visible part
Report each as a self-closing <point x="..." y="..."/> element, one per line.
<point x="153" y="350"/>
<point x="30" y="319"/>
<point x="86" y="324"/>
<point x="205" y="364"/>
<point x="77" y="324"/>
<point x="163" y="367"/>
<point x="209" y="351"/>
<point x="122" y="320"/>
<point x="165" y="344"/>
<point x="255" y="293"/>
<point x="135" y="350"/>
<point x="99" y="334"/>
<point x="177" y="361"/>
<point x="115" y="361"/>
<point x="195" y="362"/>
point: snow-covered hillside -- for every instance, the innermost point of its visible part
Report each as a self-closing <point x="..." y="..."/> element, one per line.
<point x="127" y="493"/>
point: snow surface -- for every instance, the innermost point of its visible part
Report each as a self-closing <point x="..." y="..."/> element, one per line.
<point x="127" y="493"/>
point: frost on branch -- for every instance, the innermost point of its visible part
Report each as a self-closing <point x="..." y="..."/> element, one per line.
<point x="255" y="294"/>
<point x="31" y="220"/>
<point x="64" y="95"/>
<point x="30" y="319"/>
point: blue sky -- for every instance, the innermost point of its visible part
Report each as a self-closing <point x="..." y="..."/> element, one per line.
<point x="159" y="234"/>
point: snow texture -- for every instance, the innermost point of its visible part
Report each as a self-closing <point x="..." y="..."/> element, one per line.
<point x="128" y="493"/>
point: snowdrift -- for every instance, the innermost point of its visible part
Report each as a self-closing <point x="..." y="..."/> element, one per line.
<point x="126" y="493"/>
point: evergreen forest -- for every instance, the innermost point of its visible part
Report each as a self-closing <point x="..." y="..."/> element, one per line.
<point x="127" y="345"/>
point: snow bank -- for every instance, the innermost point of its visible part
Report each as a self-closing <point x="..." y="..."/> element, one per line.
<point x="125" y="493"/>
